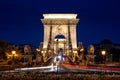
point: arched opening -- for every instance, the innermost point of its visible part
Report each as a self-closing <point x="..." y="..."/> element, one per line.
<point x="59" y="44"/>
<point x="60" y="37"/>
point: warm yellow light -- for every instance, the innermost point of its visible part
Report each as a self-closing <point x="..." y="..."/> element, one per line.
<point x="41" y="51"/>
<point x="67" y="16"/>
<point x="74" y="51"/>
<point x="13" y="52"/>
<point x="45" y="51"/>
<point x="103" y="52"/>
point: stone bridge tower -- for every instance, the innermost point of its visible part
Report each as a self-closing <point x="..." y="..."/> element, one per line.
<point x="60" y="25"/>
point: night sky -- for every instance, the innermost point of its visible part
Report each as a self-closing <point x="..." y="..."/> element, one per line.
<point x="20" y="19"/>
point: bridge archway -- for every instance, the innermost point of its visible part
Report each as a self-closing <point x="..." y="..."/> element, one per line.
<point x="60" y="44"/>
<point x="60" y="24"/>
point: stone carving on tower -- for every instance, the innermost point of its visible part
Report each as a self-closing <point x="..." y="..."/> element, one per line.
<point x="90" y="55"/>
<point x="27" y="49"/>
<point x="27" y="54"/>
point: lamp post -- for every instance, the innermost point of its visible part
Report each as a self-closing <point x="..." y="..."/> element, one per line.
<point x="103" y="52"/>
<point x="13" y="53"/>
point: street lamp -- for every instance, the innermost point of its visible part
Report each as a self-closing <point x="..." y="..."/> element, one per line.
<point x="13" y="53"/>
<point x="103" y="54"/>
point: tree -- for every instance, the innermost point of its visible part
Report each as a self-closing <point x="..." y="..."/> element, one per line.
<point x="106" y="41"/>
<point x="6" y="48"/>
<point x="3" y="49"/>
<point x="115" y="54"/>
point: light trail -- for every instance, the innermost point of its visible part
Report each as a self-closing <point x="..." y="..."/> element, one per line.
<point x="91" y="68"/>
<point x="32" y="68"/>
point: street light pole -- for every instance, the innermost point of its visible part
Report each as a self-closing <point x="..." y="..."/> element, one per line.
<point x="13" y="53"/>
<point x="104" y="59"/>
<point x="103" y="54"/>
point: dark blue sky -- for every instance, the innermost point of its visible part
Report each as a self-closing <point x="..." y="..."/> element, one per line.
<point x="20" y="19"/>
